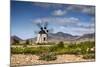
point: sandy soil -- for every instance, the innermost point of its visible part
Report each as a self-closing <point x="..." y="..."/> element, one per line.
<point x="20" y="59"/>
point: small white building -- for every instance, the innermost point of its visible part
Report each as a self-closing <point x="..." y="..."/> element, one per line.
<point x="42" y="35"/>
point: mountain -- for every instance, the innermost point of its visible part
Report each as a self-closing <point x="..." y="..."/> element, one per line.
<point x="13" y="38"/>
<point x="87" y="36"/>
<point x="60" y="36"/>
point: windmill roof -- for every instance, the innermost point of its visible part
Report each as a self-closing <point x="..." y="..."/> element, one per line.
<point x="42" y="32"/>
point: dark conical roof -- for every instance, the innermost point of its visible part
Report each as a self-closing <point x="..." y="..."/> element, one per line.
<point x="42" y="32"/>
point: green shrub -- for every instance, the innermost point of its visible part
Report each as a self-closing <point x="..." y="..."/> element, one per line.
<point x="77" y="49"/>
<point x="49" y="43"/>
<point x="21" y="50"/>
<point x="41" y="50"/>
<point x="80" y="48"/>
<point x="61" y="51"/>
<point x="15" y="42"/>
<point x="27" y="42"/>
<point x="89" y="56"/>
<point x="48" y="57"/>
<point x="30" y="51"/>
<point x="60" y="45"/>
<point x="53" y="48"/>
<point x="17" y="50"/>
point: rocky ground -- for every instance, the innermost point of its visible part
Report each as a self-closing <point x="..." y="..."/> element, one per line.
<point x="20" y="59"/>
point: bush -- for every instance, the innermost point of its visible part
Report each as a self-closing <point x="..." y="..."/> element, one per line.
<point x="30" y="51"/>
<point x="77" y="49"/>
<point x="41" y="50"/>
<point x="17" y="50"/>
<point x="49" y="43"/>
<point x="89" y="56"/>
<point x="81" y="48"/>
<point x="60" y="44"/>
<point x="25" y="50"/>
<point x="53" y="48"/>
<point x="48" y="57"/>
<point x="27" y="42"/>
<point x="15" y="42"/>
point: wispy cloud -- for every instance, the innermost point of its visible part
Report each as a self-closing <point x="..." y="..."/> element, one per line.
<point x="70" y="24"/>
<point x="73" y="30"/>
<point x="66" y="21"/>
<point x="57" y="20"/>
<point x="59" y="12"/>
<point x="90" y="10"/>
<point x="85" y="25"/>
<point x="47" y="5"/>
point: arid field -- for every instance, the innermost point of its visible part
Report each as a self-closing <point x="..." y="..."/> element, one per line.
<point x="51" y="54"/>
<point x="20" y="59"/>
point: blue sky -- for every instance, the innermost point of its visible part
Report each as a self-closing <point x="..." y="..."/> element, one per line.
<point x="67" y="18"/>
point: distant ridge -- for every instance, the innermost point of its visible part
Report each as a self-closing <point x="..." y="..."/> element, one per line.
<point x="87" y="36"/>
<point x="15" y="38"/>
<point x="60" y="36"/>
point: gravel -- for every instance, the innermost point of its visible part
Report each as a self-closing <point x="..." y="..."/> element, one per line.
<point x="21" y="59"/>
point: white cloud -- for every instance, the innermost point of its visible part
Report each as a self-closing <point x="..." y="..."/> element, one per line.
<point x="90" y="10"/>
<point x="75" y="30"/>
<point x="47" y="5"/>
<point x="81" y="31"/>
<point x="59" y="12"/>
<point x="85" y="25"/>
<point x="69" y="22"/>
<point x="69" y="25"/>
<point x="38" y="21"/>
<point x="56" y="20"/>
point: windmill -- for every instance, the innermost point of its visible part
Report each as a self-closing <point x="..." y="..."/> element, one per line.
<point x="42" y="35"/>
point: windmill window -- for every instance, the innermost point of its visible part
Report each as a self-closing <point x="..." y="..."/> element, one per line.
<point x="44" y="38"/>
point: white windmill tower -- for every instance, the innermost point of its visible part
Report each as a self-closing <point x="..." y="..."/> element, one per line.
<point x="42" y="35"/>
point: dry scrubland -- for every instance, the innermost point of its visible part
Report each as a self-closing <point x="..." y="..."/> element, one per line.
<point x="19" y="59"/>
<point x="52" y="53"/>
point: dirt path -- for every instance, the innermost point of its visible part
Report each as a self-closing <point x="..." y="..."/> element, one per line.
<point x="20" y="59"/>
